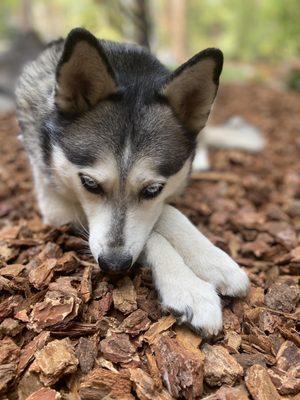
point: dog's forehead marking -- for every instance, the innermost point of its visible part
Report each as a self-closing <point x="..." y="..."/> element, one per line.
<point x="104" y="170"/>
<point x="143" y="171"/>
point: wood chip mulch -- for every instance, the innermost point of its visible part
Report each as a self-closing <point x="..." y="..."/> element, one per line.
<point x="68" y="332"/>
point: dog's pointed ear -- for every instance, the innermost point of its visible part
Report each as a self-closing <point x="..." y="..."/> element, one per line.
<point x="83" y="76"/>
<point x="192" y="88"/>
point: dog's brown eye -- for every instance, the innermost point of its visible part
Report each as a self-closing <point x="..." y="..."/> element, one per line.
<point x="151" y="191"/>
<point x="90" y="184"/>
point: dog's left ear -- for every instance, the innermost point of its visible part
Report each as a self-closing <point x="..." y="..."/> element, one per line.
<point x="192" y="88"/>
<point x="83" y="75"/>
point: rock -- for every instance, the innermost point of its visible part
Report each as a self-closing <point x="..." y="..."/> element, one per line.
<point x="56" y="359"/>
<point x="259" y="384"/>
<point x="101" y="383"/>
<point x="181" y="369"/>
<point x="283" y="297"/>
<point x="220" y="367"/>
<point x="124" y="296"/>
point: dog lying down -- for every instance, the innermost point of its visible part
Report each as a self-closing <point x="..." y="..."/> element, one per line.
<point x="111" y="135"/>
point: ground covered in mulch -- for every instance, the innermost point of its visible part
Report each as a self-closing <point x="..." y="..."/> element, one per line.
<point x="68" y="332"/>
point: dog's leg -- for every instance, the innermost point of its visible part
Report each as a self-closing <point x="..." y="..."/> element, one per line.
<point x="207" y="261"/>
<point x="193" y="300"/>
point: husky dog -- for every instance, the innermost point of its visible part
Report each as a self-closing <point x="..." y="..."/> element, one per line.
<point x="111" y="135"/>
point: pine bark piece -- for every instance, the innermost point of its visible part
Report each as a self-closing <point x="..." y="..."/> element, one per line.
<point x="124" y="296"/>
<point x="232" y="341"/>
<point x="153" y="369"/>
<point x="282" y="297"/>
<point x="12" y="270"/>
<point x="56" y="359"/>
<point x="135" y="323"/>
<point x="158" y="327"/>
<point x="86" y="353"/>
<point x="189" y="339"/>
<point x="8" y="305"/>
<point x="45" y="394"/>
<point x="100" y="383"/>
<point x="67" y="263"/>
<point x="288" y="356"/>
<point x="181" y="369"/>
<point x="229" y="393"/>
<point x="28" y="352"/>
<point x="10" y="327"/>
<point x="247" y="360"/>
<point x="286" y="382"/>
<point x="29" y="383"/>
<point x="117" y="348"/>
<point x="55" y="311"/>
<point x="220" y="367"/>
<point x="259" y="384"/>
<point x="145" y="387"/>
<point x="9" y="357"/>
<point x="86" y="284"/>
<point x="41" y="276"/>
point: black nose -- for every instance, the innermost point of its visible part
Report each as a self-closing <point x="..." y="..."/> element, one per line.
<point x="115" y="263"/>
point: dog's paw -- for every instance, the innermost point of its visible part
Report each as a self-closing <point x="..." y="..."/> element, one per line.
<point x="216" y="267"/>
<point x="236" y="284"/>
<point x="226" y="275"/>
<point x="197" y="305"/>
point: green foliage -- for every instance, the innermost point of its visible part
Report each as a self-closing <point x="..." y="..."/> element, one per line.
<point x="246" y="29"/>
<point x="293" y="79"/>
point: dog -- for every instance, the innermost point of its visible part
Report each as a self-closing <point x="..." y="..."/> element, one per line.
<point x="111" y="136"/>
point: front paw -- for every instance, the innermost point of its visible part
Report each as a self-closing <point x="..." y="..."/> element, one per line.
<point x="195" y="304"/>
<point x="227" y="277"/>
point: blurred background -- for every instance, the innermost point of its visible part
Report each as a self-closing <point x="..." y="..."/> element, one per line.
<point x="260" y="38"/>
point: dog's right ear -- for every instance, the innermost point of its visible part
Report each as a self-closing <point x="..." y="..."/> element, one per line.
<point x="83" y="76"/>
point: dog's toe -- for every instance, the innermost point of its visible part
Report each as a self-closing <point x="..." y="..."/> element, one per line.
<point x="198" y="307"/>
<point x="235" y="285"/>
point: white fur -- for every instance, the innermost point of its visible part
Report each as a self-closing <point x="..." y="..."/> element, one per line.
<point x="207" y="261"/>
<point x="194" y="300"/>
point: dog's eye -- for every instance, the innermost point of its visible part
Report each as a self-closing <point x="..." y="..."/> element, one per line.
<point x="90" y="184"/>
<point x="151" y="191"/>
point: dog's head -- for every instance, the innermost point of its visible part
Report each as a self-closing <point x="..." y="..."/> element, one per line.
<point x="124" y="137"/>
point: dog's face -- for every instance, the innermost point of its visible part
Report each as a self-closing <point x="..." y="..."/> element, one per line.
<point x="122" y="152"/>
